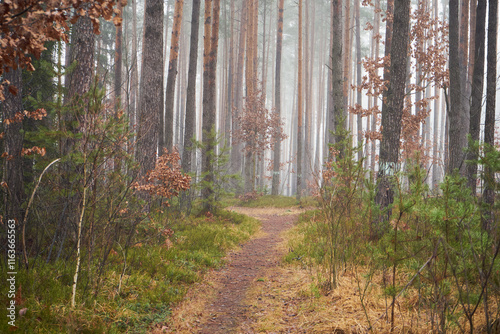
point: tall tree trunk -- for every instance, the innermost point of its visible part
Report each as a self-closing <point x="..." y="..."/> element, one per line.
<point x="190" y="119"/>
<point x="435" y="166"/>
<point x="329" y="116"/>
<point x="489" y="128"/>
<point x="375" y="99"/>
<point x="230" y="81"/>
<point x="277" y="93"/>
<point x="134" y="81"/>
<point x="472" y="43"/>
<point x="477" y="91"/>
<point x="151" y="91"/>
<point x="118" y="73"/>
<point x="308" y="91"/>
<point x="464" y="52"/>
<point x="300" y="106"/>
<point x="236" y="154"/>
<point x="457" y="135"/>
<point x="79" y="79"/>
<point x="168" y="140"/>
<point x="391" y="114"/>
<point x="208" y="120"/>
<point x="13" y="144"/>
<point x="337" y="117"/>
<point x="212" y="11"/>
<point x="251" y="84"/>
<point x="347" y="53"/>
<point x="359" y="99"/>
<point x="118" y="59"/>
<point x="162" y="125"/>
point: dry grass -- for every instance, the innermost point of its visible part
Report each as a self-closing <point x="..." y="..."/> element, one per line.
<point x="287" y="300"/>
<point x="189" y="314"/>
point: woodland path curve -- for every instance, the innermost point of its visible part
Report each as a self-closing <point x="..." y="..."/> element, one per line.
<point x="217" y="304"/>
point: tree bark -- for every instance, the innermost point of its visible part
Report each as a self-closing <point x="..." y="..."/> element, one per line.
<point x="168" y="140"/>
<point x="392" y="113"/>
<point x="359" y="97"/>
<point x="489" y="128"/>
<point x="13" y="144"/>
<point x="336" y="117"/>
<point x="236" y="154"/>
<point x="477" y="91"/>
<point x="118" y="60"/>
<point x="80" y="78"/>
<point x="300" y="106"/>
<point x="277" y="98"/>
<point x="190" y="119"/>
<point x="251" y="84"/>
<point x="230" y="81"/>
<point x="118" y="74"/>
<point x="151" y="91"/>
<point x="457" y="135"/>
<point x="134" y="81"/>
<point x="212" y="11"/>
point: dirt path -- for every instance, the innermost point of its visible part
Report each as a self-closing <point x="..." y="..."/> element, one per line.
<point x="218" y="305"/>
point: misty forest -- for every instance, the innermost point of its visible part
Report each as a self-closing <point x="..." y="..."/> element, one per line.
<point x="249" y="166"/>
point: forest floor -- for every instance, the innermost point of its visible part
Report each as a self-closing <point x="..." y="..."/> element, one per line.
<point x="256" y="292"/>
<point x="235" y="298"/>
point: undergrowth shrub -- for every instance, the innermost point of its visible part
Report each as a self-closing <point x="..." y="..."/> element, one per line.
<point x="134" y="257"/>
<point x="435" y="263"/>
<point x="139" y="287"/>
<point x="340" y="196"/>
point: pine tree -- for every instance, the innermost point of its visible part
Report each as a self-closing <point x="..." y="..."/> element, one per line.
<point x="151" y="91"/>
<point x="190" y="119"/>
<point x="477" y="90"/>
<point x="391" y="114"/>
<point x="168" y="130"/>
<point x="277" y="92"/>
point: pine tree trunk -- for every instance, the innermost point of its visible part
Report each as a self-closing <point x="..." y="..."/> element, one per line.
<point x="190" y="119"/>
<point x="208" y="120"/>
<point x="230" y="81"/>
<point x="300" y="106"/>
<point x="212" y="11"/>
<point x="391" y="114"/>
<point x="236" y="154"/>
<point x="457" y="126"/>
<point x="464" y="52"/>
<point x="118" y="74"/>
<point x="134" y="81"/>
<point x="151" y="91"/>
<point x="347" y="54"/>
<point x="79" y="80"/>
<point x="251" y="83"/>
<point x="13" y="144"/>
<point x="359" y="99"/>
<point x="167" y="142"/>
<point x="477" y="91"/>
<point x="374" y="116"/>
<point x="337" y="116"/>
<point x="489" y="128"/>
<point x="277" y="92"/>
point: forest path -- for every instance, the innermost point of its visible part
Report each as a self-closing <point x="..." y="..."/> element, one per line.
<point x="220" y="304"/>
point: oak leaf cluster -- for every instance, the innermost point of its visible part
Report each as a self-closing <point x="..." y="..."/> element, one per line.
<point x="166" y="179"/>
<point x="27" y="25"/>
